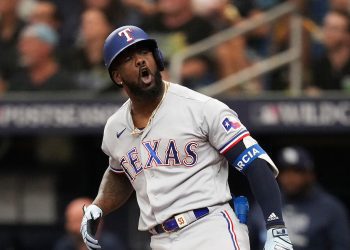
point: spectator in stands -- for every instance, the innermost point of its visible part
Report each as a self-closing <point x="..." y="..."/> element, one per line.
<point x="72" y="10"/>
<point x="2" y="85"/>
<point x="244" y="6"/>
<point x="146" y="8"/>
<point x="45" y="11"/>
<point x="280" y="41"/>
<point x="85" y="60"/>
<point x="175" y="22"/>
<point x="340" y="5"/>
<point x="222" y="13"/>
<point x="316" y="220"/>
<point x="232" y="55"/>
<point x="175" y="26"/>
<point x="40" y="71"/>
<point x="70" y="19"/>
<point x="114" y="9"/>
<point x="332" y="70"/>
<point x="10" y="27"/>
<point x="316" y="12"/>
<point x="72" y="239"/>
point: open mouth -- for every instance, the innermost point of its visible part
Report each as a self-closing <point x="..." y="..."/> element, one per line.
<point x="145" y="75"/>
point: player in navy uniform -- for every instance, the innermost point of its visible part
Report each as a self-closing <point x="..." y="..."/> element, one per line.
<point x="316" y="219"/>
<point x="173" y="146"/>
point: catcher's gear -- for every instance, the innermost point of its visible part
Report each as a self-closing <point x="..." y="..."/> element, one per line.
<point x="89" y="224"/>
<point x="278" y="239"/>
<point x="124" y="37"/>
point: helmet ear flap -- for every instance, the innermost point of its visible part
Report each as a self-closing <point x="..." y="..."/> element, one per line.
<point x="158" y="57"/>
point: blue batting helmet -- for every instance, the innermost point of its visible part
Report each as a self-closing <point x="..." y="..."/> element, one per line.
<point x="125" y="36"/>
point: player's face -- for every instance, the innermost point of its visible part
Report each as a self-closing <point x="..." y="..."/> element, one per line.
<point x="294" y="182"/>
<point x="138" y="72"/>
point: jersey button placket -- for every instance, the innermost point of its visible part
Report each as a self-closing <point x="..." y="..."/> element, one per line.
<point x="144" y="155"/>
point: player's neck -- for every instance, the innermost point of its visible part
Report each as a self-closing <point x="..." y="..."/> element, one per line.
<point x="142" y="110"/>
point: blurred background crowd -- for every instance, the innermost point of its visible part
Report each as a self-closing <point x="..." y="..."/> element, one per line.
<point x="55" y="46"/>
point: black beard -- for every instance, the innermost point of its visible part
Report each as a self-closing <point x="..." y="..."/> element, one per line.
<point x="154" y="92"/>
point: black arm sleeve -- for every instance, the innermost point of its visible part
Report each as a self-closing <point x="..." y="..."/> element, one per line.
<point x="266" y="192"/>
<point x="263" y="185"/>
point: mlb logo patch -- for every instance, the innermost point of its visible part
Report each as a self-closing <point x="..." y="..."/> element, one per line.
<point x="228" y="125"/>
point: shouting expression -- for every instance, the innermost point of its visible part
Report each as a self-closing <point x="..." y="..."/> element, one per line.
<point x="136" y="69"/>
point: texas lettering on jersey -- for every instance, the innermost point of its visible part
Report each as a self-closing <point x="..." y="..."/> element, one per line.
<point x="172" y="156"/>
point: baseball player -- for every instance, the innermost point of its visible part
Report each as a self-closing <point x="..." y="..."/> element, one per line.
<point x="174" y="147"/>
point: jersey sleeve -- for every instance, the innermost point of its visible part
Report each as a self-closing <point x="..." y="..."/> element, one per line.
<point x="113" y="163"/>
<point x="225" y="131"/>
<point x="222" y="126"/>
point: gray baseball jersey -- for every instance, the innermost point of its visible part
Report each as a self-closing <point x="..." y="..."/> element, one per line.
<point x="176" y="163"/>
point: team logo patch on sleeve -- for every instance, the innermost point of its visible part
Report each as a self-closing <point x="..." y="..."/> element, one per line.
<point x="228" y="125"/>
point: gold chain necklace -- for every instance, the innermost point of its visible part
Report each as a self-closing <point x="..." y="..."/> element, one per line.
<point x="137" y="131"/>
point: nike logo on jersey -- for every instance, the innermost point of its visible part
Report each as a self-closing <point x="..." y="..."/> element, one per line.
<point x="120" y="133"/>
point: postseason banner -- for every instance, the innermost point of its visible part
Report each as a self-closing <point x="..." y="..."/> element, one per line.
<point x="89" y="116"/>
<point x="34" y="117"/>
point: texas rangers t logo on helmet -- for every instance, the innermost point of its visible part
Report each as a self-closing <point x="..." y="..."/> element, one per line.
<point x="127" y="33"/>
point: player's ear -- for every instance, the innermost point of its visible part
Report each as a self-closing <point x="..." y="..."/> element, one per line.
<point x="116" y="78"/>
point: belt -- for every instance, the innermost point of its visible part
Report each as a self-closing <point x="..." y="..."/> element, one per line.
<point x="179" y="221"/>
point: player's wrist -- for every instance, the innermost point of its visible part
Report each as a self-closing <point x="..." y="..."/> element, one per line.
<point x="277" y="238"/>
<point x="275" y="225"/>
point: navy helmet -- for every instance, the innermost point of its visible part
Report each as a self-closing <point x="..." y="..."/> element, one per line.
<point x="296" y="158"/>
<point x="126" y="36"/>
